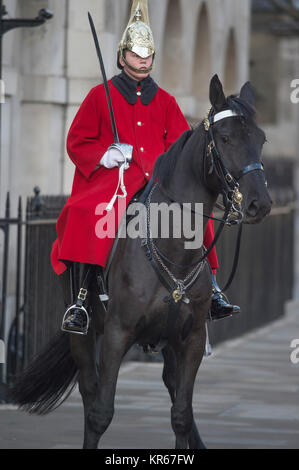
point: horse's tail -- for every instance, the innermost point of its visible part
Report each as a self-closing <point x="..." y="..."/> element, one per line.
<point x="48" y="380"/>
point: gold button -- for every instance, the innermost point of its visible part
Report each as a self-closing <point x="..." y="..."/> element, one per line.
<point x="139" y="123"/>
<point x="141" y="149"/>
<point x="138" y="93"/>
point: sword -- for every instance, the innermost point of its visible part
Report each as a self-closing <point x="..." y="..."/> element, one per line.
<point x="125" y="149"/>
<point x="107" y="91"/>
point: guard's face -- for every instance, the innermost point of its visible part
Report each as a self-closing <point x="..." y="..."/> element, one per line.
<point x="138" y="63"/>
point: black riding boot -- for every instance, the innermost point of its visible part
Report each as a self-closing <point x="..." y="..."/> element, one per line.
<point x="76" y="318"/>
<point x="220" y="308"/>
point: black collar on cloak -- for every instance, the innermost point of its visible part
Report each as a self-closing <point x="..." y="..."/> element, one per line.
<point x="127" y="86"/>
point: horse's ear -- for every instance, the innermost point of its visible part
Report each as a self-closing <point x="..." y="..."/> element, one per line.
<point x="247" y="93"/>
<point x="217" y="97"/>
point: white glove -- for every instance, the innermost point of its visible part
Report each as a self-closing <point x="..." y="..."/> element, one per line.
<point x="112" y="158"/>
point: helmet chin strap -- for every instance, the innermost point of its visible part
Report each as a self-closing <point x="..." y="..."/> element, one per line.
<point x="149" y="69"/>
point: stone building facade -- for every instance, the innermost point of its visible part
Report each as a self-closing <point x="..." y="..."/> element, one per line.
<point x="274" y="65"/>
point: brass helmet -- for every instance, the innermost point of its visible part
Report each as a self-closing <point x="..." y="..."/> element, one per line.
<point x="138" y="36"/>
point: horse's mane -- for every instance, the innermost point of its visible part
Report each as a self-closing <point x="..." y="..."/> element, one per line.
<point x="165" y="164"/>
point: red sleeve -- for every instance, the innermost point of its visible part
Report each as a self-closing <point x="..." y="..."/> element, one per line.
<point x="176" y="124"/>
<point x="83" y="141"/>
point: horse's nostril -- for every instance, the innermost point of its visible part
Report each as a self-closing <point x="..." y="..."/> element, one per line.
<point x="253" y="208"/>
<point x="258" y="209"/>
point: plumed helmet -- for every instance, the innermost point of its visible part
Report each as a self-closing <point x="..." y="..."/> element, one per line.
<point x="138" y="36"/>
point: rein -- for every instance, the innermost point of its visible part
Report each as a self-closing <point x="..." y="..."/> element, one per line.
<point x="228" y="212"/>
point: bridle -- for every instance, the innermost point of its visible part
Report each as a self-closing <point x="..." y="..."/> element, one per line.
<point x="229" y="184"/>
<point x="232" y="199"/>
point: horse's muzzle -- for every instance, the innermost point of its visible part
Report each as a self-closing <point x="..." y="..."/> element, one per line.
<point x="257" y="210"/>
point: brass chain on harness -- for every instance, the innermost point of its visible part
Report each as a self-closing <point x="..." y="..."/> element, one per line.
<point x="182" y="285"/>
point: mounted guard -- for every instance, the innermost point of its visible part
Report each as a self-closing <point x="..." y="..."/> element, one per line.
<point x="189" y="165"/>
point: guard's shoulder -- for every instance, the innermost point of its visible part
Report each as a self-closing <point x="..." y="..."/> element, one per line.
<point x="98" y="89"/>
<point x="96" y="93"/>
<point x="167" y="97"/>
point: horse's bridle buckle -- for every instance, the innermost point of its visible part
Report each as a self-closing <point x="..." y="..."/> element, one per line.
<point x="206" y="124"/>
<point x="228" y="177"/>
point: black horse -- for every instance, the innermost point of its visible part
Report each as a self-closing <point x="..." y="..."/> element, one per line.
<point x="221" y="155"/>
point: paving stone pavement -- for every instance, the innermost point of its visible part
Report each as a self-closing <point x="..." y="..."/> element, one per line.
<point x="246" y="397"/>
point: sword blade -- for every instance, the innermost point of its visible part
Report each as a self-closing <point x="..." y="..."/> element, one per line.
<point x="107" y="91"/>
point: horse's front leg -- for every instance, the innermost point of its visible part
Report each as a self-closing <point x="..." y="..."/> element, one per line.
<point x="169" y="379"/>
<point x="113" y="347"/>
<point x="189" y="355"/>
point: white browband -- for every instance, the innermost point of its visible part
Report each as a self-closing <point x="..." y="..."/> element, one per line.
<point x="223" y="115"/>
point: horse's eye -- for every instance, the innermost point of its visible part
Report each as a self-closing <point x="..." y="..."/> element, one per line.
<point x="225" y="138"/>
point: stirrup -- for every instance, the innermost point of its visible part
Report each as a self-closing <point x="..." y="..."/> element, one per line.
<point x="82" y="310"/>
<point x="104" y="297"/>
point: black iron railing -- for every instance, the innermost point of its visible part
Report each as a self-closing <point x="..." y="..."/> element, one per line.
<point x="5" y="227"/>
